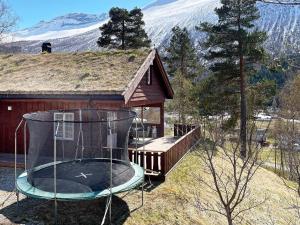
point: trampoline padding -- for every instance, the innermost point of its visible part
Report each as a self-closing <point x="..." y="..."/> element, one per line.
<point x="80" y="179"/>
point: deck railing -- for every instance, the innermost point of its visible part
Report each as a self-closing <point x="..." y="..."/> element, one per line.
<point x="160" y="163"/>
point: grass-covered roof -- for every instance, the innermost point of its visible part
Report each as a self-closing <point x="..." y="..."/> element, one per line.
<point x="108" y="72"/>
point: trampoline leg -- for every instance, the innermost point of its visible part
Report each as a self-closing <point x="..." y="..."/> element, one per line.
<point x="110" y="209"/>
<point x="55" y="211"/>
<point x="18" y="198"/>
<point x="107" y="208"/>
<point x="142" y="194"/>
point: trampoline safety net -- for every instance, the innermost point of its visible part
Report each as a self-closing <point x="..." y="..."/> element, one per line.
<point x="70" y="151"/>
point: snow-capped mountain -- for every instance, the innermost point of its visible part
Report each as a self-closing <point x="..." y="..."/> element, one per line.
<point x="79" y="32"/>
<point x="62" y="26"/>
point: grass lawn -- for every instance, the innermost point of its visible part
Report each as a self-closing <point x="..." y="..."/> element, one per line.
<point x="170" y="203"/>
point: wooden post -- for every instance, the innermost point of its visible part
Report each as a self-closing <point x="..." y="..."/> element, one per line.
<point x="162" y="120"/>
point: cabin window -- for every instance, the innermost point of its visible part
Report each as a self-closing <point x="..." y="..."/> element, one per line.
<point x="149" y="75"/>
<point x="112" y="137"/>
<point x="63" y="126"/>
<point x="111" y="118"/>
<point x="151" y="115"/>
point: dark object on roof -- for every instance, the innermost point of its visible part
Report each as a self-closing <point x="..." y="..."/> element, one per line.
<point x="46" y="47"/>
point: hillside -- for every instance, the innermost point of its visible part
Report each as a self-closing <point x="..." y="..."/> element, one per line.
<point x="174" y="203"/>
<point x="169" y="203"/>
<point x="79" y="32"/>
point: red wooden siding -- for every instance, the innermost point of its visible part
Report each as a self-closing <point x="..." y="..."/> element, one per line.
<point x="10" y="119"/>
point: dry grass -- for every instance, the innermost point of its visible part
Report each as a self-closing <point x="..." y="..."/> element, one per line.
<point x="172" y="202"/>
<point x="88" y="72"/>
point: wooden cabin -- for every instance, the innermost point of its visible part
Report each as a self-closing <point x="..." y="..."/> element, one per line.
<point x="112" y="79"/>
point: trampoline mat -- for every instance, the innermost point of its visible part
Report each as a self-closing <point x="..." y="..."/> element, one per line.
<point x="81" y="176"/>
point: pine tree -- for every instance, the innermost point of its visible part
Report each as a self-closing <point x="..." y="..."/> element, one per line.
<point x="124" y="30"/>
<point x="234" y="46"/>
<point x="182" y="62"/>
<point x="138" y="37"/>
<point x="181" y="54"/>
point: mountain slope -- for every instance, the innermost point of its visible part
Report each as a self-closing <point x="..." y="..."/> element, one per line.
<point x="281" y="22"/>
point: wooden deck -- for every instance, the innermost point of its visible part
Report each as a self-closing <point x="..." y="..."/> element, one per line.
<point x="162" y="144"/>
<point x="159" y="156"/>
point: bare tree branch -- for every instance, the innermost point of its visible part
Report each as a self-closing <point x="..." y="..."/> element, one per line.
<point x="229" y="175"/>
<point x="7" y="19"/>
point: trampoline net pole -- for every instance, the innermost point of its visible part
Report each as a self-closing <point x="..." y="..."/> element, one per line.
<point x="80" y="138"/>
<point x="16" y="152"/>
<point x="54" y="167"/>
<point x="111" y="155"/>
<point x="81" y="132"/>
<point x="143" y="193"/>
<point x="25" y="145"/>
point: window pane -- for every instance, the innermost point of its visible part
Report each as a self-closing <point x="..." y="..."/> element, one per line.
<point x="69" y="127"/>
<point x="151" y="115"/>
<point x="58" y="126"/>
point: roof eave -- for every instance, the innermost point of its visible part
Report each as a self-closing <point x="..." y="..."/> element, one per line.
<point x="111" y="97"/>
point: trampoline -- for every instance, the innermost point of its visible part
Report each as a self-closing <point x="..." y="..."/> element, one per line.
<point x="76" y="155"/>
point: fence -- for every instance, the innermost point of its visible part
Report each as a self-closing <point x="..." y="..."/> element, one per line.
<point x="182" y="129"/>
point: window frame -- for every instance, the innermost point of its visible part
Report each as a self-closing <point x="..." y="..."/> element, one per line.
<point x="67" y="128"/>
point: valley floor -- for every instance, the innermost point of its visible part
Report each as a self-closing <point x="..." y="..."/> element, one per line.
<point x="169" y="203"/>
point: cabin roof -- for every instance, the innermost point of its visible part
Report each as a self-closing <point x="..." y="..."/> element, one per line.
<point x="92" y="73"/>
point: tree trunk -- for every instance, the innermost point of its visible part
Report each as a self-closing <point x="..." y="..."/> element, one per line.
<point x="243" y="130"/>
<point x="243" y="120"/>
<point x="229" y="217"/>
<point x="281" y="162"/>
<point x="229" y="220"/>
<point x="123" y="35"/>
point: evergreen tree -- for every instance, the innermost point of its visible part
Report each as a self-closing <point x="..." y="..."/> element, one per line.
<point x="234" y="45"/>
<point x="181" y="54"/>
<point x="183" y="103"/>
<point x="137" y="35"/>
<point x="181" y="59"/>
<point x="124" y="30"/>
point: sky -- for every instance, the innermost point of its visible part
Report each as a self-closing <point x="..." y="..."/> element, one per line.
<point x="31" y="12"/>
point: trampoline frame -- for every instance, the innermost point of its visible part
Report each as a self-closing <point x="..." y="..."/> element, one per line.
<point x="136" y="181"/>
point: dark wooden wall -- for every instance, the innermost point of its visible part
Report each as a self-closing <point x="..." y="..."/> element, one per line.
<point x="152" y="93"/>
